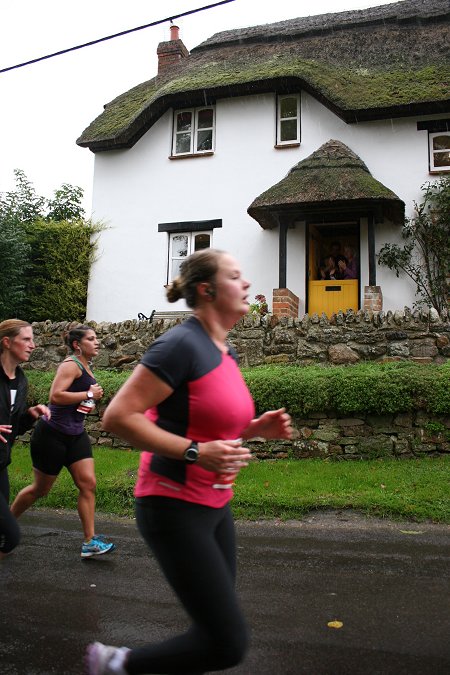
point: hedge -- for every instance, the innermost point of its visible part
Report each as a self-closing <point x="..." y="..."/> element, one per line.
<point x="371" y="388"/>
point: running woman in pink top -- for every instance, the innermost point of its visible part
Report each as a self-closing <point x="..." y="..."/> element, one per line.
<point x="187" y="407"/>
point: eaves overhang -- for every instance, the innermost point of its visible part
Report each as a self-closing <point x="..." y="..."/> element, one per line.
<point x="342" y="210"/>
<point x="146" y="117"/>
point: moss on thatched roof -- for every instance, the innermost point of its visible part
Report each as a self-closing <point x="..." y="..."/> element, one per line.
<point x="387" y="61"/>
<point x="333" y="175"/>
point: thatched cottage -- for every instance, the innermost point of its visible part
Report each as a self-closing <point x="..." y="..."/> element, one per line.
<point x="279" y="143"/>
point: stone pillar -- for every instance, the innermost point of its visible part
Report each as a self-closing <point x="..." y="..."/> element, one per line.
<point x="373" y="298"/>
<point x="284" y="303"/>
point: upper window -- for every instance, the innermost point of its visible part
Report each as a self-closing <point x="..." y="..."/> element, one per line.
<point x="439" y="148"/>
<point x="288" y="119"/>
<point x="193" y="131"/>
<point x="182" y="244"/>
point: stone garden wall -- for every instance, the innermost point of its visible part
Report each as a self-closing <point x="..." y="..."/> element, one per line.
<point x="350" y="337"/>
<point x="326" y="436"/>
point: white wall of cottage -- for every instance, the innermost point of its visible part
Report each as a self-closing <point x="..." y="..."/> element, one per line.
<point x="136" y="189"/>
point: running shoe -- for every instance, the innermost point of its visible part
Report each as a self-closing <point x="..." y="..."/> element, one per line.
<point x="104" y="660"/>
<point x="97" y="546"/>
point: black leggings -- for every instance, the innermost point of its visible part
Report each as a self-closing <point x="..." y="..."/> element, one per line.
<point x="9" y="529"/>
<point x="195" y="547"/>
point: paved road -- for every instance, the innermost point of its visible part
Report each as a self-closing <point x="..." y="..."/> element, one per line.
<point x="386" y="582"/>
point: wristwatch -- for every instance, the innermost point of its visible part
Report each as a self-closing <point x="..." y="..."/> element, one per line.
<point x="191" y="454"/>
<point x="90" y="394"/>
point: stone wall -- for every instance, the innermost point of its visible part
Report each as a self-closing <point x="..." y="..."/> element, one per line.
<point x="361" y="437"/>
<point x="329" y="436"/>
<point x="350" y="337"/>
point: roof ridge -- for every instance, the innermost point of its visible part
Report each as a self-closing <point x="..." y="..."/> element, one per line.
<point x="404" y="10"/>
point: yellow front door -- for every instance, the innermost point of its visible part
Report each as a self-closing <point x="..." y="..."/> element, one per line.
<point x="331" y="296"/>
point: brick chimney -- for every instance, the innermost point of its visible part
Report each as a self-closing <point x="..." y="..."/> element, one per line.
<point x="170" y="53"/>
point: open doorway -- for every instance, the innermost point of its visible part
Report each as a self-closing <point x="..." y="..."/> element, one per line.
<point x="333" y="272"/>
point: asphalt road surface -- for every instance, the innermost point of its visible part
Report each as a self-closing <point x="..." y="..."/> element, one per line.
<point x="386" y="584"/>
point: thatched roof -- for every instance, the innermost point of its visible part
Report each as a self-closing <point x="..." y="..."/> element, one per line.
<point x="387" y="61"/>
<point x="332" y="178"/>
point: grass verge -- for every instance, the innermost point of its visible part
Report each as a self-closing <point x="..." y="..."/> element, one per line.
<point x="414" y="489"/>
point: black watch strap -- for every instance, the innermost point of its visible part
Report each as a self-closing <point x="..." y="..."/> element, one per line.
<point x="191" y="453"/>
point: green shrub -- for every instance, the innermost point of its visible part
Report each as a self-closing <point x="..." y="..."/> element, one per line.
<point x="369" y="387"/>
<point x="39" y="383"/>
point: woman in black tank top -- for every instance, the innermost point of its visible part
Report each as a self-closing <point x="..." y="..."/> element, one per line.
<point x="61" y="439"/>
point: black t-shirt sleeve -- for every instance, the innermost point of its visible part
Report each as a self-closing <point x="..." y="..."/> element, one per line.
<point x="169" y="358"/>
<point x="183" y="354"/>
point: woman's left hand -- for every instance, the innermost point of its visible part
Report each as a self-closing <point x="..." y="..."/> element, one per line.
<point x="5" y="429"/>
<point x="271" y="424"/>
<point x="39" y="410"/>
<point x="97" y="391"/>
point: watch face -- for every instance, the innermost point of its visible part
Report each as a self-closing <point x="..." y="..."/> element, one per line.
<point x="191" y="454"/>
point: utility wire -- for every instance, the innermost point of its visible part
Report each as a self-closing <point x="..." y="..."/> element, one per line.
<point x="111" y="37"/>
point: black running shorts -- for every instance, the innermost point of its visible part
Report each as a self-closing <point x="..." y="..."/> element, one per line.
<point x="51" y="449"/>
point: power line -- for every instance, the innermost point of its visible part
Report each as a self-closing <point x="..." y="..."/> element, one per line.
<point x="111" y="37"/>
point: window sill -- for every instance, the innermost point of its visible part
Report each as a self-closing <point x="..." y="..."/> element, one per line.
<point x="281" y="146"/>
<point x="444" y="169"/>
<point x="191" y="156"/>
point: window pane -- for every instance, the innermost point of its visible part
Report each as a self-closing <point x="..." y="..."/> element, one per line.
<point x="202" y="241"/>
<point x="183" y="143"/>
<point x="288" y="130"/>
<point x="441" y="142"/>
<point x="441" y="158"/>
<point x="205" y="118"/>
<point x="176" y="264"/>
<point x="204" y="140"/>
<point x="288" y="107"/>
<point x="180" y="246"/>
<point x="184" y="121"/>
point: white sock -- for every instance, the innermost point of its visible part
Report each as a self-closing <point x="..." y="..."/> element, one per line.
<point x="117" y="661"/>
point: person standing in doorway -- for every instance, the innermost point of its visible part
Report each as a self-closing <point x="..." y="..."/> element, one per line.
<point x="61" y="439"/>
<point x="348" y="265"/>
<point x="187" y="407"/>
<point x="16" y="346"/>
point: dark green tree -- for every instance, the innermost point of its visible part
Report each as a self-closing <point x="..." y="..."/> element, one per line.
<point x="425" y="255"/>
<point x="66" y="204"/>
<point x="15" y="252"/>
<point x="47" y="248"/>
<point x="23" y="205"/>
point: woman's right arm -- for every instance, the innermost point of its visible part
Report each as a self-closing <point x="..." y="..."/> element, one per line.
<point x="125" y="417"/>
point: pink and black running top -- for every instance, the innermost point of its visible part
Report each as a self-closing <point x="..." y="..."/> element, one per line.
<point x="210" y="401"/>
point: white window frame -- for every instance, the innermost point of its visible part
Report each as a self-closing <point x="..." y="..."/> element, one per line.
<point x="191" y="244"/>
<point x="194" y="131"/>
<point x="280" y="119"/>
<point x="432" y="152"/>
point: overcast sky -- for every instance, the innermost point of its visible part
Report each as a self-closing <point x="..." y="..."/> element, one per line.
<point x="44" y="107"/>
